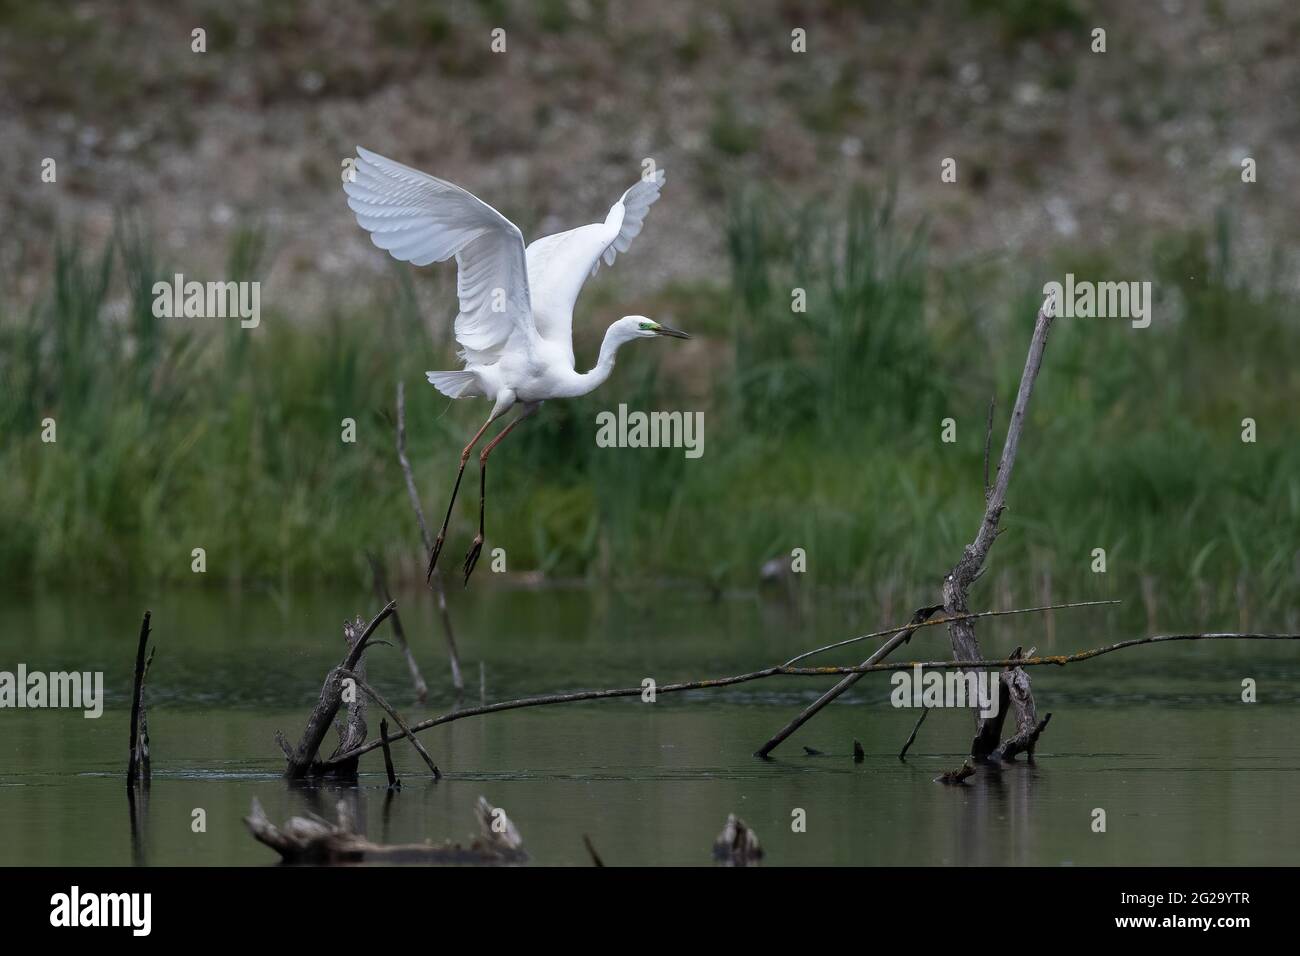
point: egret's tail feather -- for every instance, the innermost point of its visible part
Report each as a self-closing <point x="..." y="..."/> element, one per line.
<point x="455" y="384"/>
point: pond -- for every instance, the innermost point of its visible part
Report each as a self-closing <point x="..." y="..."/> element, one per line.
<point x="1158" y="737"/>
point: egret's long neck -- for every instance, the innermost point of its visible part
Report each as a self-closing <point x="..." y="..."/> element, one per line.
<point x="605" y="364"/>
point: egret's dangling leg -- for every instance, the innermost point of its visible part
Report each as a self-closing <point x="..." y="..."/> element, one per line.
<point x="464" y="457"/>
<point x="471" y="558"/>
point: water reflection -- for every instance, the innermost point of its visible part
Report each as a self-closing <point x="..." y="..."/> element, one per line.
<point x="1159" y="738"/>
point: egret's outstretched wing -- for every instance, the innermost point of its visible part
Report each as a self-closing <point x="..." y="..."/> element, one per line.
<point x="558" y="265"/>
<point x="421" y="219"/>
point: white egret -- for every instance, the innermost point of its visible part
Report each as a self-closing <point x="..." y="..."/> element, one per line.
<point x="515" y="325"/>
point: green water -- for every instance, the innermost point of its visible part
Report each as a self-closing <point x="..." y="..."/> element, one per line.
<point x="1156" y="736"/>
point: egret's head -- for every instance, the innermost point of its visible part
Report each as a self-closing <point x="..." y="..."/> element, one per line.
<point x="638" y="326"/>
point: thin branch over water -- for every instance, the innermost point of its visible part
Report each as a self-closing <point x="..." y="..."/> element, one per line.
<point x="783" y="671"/>
<point x="944" y="619"/>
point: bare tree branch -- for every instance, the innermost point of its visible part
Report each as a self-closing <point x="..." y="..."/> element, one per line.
<point x="945" y="619"/>
<point x="327" y="705"/>
<point x="397" y="719"/>
<point x="382" y="592"/>
<point x="956" y="586"/>
<point x="812" y="709"/>
<point x="780" y="671"/>
<point x="133" y="761"/>
<point x="988" y="442"/>
<point x="902" y="754"/>
<point x="453" y="655"/>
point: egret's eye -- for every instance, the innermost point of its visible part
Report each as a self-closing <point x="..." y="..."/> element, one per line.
<point x="648" y="326"/>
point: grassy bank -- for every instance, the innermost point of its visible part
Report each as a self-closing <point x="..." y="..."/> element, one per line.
<point x="822" y="428"/>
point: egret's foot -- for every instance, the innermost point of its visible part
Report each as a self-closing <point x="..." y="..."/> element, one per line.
<point x="471" y="558"/>
<point x="433" y="559"/>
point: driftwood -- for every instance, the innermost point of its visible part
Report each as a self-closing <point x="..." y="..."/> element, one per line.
<point x="314" y="840"/>
<point x="782" y="671"/>
<point x="737" y="844"/>
<point x="453" y="655"/>
<point x="137" y="763"/>
<point x="302" y="759"/>
<point x="954" y="777"/>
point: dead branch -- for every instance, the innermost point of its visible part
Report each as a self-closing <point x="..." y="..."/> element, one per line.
<point x="902" y="754"/>
<point x="945" y="619"/>
<point x="453" y="655"/>
<point x="146" y="769"/>
<point x="137" y="763"/>
<point x="353" y="731"/>
<point x="781" y="671"/>
<point x="382" y="592"/>
<point x="812" y="709"/>
<point x="591" y="851"/>
<point x="313" y="840"/>
<point x="956" y="586"/>
<point x="397" y="719"/>
<point x="393" y="782"/>
<point x="958" y="582"/>
<point x="954" y="777"/>
<point x="988" y="443"/>
<point x="327" y="705"/>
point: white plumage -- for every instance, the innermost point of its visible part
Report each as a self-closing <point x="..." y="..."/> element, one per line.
<point x="515" y="324"/>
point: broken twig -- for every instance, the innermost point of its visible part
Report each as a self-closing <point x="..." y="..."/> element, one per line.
<point x="812" y="709"/>
<point x="393" y="782"/>
<point x="401" y="724"/>
<point x="382" y="592"/>
<point x="453" y="655"/>
<point x="902" y="754"/>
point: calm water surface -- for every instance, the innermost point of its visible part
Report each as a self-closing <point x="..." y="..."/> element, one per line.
<point x="1156" y="736"/>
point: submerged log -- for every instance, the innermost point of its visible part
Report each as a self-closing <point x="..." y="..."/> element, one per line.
<point x="953" y="777"/>
<point x="316" y="841"/>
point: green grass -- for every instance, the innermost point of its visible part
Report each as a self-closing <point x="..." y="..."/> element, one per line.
<point x="822" y="428"/>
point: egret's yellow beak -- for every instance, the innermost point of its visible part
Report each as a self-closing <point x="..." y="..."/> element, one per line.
<point x="669" y="330"/>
